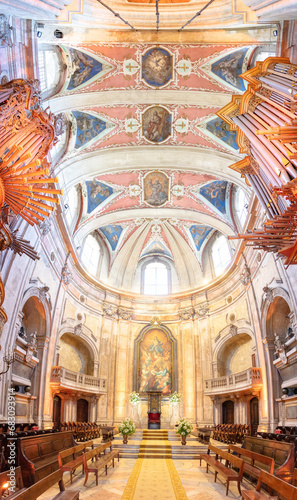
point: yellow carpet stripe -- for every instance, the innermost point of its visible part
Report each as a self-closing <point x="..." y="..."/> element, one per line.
<point x="132" y="481"/>
<point x="179" y="490"/>
<point x="164" y="473"/>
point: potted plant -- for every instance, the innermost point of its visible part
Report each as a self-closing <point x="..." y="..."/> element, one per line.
<point x="126" y="428"/>
<point x="134" y="398"/>
<point x="175" y="398"/>
<point x="184" y="428"/>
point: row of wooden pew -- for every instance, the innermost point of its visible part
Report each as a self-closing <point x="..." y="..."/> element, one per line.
<point x="253" y="464"/>
<point x="230" y="433"/>
<point x="82" y="431"/>
<point x="90" y="457"/>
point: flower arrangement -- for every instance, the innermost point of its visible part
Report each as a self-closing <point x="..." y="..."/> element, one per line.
<point x="184" y="428"/>
<point x="175" y="398"/>
<point x="127" y="427"/>
<point x="134" y="398"/>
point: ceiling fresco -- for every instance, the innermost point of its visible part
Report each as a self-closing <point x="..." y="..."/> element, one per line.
<point x="94" y="67"/>
<point x="112" y="234"/>
<point x="133" y="125"/>
<point x="139" y="189"/>
<point x="143" y="209"/>
<point x="199" y="234"/>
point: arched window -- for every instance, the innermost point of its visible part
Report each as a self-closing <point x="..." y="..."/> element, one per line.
<point x="221" y="255"/>
<point x="91" y="254"/>
<point x="155" y="278"/>
<point x="242" y="205"/>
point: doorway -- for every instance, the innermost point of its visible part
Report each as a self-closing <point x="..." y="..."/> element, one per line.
<point x="228" y="412"/>
<point x="82" y="410"/>
<point x="254" y="414"/>
<point x="57" y="411"/>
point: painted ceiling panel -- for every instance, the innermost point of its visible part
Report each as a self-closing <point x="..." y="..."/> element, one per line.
<point x="112" y="234"/>
<point x="215" y="193"/>
<point x="190" y="66"/>
<point x="97" y="193"/>
<point x="199" y="234"/>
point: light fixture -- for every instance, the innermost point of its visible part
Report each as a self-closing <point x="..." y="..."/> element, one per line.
<point x="8" y="359"/>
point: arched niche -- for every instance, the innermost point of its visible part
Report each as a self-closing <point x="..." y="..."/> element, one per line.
<point x="34" y="316"/>
<point x="233" y="352"/>
<point x="75" y="354"/>
<point x="155" y="360"/>
<point x="277" y="319"/>
<point x="235" y="355"/>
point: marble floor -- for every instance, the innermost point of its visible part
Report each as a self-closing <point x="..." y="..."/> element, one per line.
<point x="197" y="484"/>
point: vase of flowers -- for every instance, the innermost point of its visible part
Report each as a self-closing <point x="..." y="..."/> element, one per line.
<point x="134" y="398"/>
<point x="126" y="428"/>
<point x="175" y="398"/>
<point x="184" y="428"/>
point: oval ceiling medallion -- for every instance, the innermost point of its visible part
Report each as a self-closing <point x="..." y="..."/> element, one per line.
<point x="157" y="67"/>
<point x="156" y="124"/>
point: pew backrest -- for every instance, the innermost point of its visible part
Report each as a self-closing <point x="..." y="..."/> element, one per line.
<point x="286" y="490"/>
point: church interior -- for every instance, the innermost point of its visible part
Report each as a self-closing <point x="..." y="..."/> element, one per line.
<point x="148" y="249"/>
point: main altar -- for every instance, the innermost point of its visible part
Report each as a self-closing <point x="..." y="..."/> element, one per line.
<point x="154" y="409"/>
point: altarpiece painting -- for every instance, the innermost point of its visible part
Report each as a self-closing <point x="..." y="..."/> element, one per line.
<point x="155" y="362"/>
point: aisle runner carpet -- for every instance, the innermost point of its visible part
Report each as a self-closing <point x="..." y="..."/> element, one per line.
<point x="154" y="478"/>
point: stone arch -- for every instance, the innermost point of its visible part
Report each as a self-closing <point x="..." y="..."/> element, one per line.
<point x="270" y="299"/>
<point x="34" y="316"/>
<point x="230" y="338"/>
<point x="76" y="338"/>
<point x="139" y="348"/>
<point x="273" y="297"/>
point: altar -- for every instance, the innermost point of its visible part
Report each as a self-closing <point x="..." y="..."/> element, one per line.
<point x="154" y="409"/>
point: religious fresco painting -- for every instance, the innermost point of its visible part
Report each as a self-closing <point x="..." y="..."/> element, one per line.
<point x="156" y="124"/>
<point x="156" y="189"/>
<point x="84" y="67"/>
<point x="154" y="364"/>
<point x="112" y="234"/>
<point x="88" y="127"/>
<point x="220" y="129"/>
<point x="199" y="234"/>
<point x="97" y="193"/>
<point x="156" y="248"/>
<point x="229" y="67"/>
<point x="215" y="193"/>
<point x="157" y="67"/>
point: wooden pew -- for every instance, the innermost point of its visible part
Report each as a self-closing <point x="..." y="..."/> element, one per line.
<point x="224" y="470"/>
<point x="71" y="459"/>
<point x="287" y="491"/>
<point x="282" y="453"/>
<point x="38" y="455"/>
<point x="42" y="486"/>
<point x="15" y="482"/>
<point x="99" y="462"/>
<point x="253" y="462"/>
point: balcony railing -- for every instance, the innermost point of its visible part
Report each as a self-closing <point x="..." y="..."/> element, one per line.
<point x="67" y="379"/>
<point x="242" y="381"/>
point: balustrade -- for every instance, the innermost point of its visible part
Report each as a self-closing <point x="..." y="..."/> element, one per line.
<point x="67" y="378"/>
<point x="250" y="378"/>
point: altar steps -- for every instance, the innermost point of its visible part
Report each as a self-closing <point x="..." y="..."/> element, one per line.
<point x="154" y="448"/>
